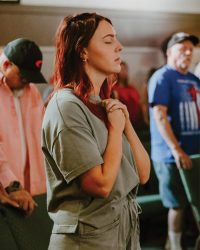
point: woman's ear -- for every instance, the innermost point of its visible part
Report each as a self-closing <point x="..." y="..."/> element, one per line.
<point x="84" y="55"/>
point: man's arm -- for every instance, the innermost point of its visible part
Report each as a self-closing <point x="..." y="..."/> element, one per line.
<point x="6" y="174"/>
<point x="165" y="129"/>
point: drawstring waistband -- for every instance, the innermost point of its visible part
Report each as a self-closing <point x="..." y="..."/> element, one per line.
<point x="134" y="211"/>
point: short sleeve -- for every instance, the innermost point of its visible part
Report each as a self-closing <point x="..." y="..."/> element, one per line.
<point x="75" y="152"/>
<point x="159" y="89"/>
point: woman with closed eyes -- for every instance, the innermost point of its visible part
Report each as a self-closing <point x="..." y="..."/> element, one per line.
<point x="94" y="159"/>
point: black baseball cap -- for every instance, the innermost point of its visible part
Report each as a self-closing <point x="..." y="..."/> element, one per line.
<point x="27" y="56"/>
<point x="180" y="37"/>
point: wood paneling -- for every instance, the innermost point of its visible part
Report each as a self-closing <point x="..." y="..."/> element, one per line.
<point x="134" y="28"/>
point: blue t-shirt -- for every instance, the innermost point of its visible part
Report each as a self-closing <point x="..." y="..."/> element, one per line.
<point x="181" y="95"/>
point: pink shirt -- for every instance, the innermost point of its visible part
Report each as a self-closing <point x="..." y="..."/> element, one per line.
<point x="11" y="160"/>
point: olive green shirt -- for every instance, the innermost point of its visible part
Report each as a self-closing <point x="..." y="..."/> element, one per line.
<point x="74" y="141"/>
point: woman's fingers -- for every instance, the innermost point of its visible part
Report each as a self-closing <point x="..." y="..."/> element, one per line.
<point x="113" y="104"/>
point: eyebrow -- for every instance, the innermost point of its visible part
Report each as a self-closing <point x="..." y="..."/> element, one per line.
<point x="109" y="35"/>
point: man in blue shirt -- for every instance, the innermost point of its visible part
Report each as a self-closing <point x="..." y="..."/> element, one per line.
<point x="174" y="98"/>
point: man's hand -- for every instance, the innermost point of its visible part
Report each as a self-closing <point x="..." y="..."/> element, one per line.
<point x="24" y="201"/>
<point x="181" y="158"/>
<point x="5" y="199"/>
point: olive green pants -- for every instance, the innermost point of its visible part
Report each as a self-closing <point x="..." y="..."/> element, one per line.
<point x="122" y="234"/>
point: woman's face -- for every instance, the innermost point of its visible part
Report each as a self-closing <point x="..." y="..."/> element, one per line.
<point x="103" y="52"/>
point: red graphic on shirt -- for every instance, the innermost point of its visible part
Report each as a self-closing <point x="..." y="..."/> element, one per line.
<point x="193" y="93"/>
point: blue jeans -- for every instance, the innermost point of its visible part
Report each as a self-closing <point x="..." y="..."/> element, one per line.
<point x="170" y="185"/>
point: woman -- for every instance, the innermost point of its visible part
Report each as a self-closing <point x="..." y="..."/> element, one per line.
<point x="128" y="94"/>
<point x="94" y="159"/>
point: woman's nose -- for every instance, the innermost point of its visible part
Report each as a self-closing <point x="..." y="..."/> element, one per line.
<point x="119" y="46"/>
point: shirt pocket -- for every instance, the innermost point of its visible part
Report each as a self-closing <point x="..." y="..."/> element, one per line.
<point x="65" y="222"/>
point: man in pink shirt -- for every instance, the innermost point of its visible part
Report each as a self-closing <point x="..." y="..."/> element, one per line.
<point x="21" y="112"/>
